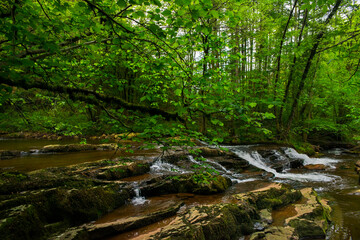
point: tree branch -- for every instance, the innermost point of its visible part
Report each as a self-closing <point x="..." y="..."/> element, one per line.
<point x="89" y="97"/>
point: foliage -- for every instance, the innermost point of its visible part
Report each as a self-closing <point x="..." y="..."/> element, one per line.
<point x="173" y="71"/>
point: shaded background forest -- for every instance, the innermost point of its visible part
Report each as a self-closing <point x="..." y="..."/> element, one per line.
<point x="231" y="71"/>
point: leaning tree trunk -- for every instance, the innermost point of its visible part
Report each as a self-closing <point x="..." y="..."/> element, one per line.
<point x="318" y="38"/>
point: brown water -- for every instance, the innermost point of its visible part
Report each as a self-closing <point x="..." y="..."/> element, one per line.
<point x="341" y="192"/>
<point x="35" y="161"/>
<point x="23" y="144"/>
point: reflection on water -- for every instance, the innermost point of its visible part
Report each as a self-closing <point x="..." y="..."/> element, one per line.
<point x="23" y="144"/>
<point x="36" y="161"/>
<point x="336" y="184"/>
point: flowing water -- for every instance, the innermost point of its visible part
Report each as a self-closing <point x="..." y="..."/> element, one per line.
<point x="338" y="182"/>
<point x="35" y="160"/>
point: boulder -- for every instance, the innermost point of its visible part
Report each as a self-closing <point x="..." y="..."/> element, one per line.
<point x="93" y="231"/>
<point x="21" y="222"/>
<point x="122" y="171"/>
<point x="275" y="233"/>
<point x="77" y="147"/>
<point x="315" y="167"/>
<point x="357" y="166"/>
<point x="5" y="154"/>
<point x="186" y="183"/>
<point x="219" y="221"/>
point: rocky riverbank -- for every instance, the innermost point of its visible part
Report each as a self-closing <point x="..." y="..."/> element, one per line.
<point x="62" y="202"/>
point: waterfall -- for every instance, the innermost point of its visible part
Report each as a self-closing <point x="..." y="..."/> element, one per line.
<point x="138" y="199"/>
<point x="160" y="167"/>
<point x="292" y="153"/>
<point x="255" y="159"/>
<point x="234" y="177"/>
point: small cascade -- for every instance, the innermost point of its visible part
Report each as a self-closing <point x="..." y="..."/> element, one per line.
<point x="221" y="167"/>
<point x="255" y="159"/>
<point x="160" y="167"/>
<point x="234" y="177"/>
<point x="292" y="153"/>
<point x="138" y="199"/>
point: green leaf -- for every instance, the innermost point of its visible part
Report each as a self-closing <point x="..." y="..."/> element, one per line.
<point x="214" y="13"/>
<point x="121" y="3"/>
<point x="178" y="92"/>
<point x="252" y="104"/>
<point x="167" y="12"/>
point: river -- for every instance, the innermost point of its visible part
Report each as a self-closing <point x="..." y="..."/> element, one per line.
<point x="337" y="183"/>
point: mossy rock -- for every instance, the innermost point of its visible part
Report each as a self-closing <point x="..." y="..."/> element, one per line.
<point x="117" y="172"/>
<point x="273" y="198"/>
<point x="23" y="222"/>
<point x="307" y="229"/>
<point x="219" y="221"/>
<point x="187" y="183"/>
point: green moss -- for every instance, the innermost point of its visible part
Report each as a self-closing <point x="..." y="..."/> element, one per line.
<point x="306" y="229"/>
<point x="23" y="222"/>
<point x="275" y="198"/>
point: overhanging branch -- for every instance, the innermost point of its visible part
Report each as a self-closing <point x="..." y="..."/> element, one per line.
<point x="90" y="97"/>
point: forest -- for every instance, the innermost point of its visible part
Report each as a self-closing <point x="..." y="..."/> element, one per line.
<point x="224" y="71"/>
<point x="184" y="119"/>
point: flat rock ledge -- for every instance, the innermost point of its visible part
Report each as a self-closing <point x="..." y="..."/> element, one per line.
<point x="100" y="231"/>
<point x="249" y="215"/>
<point x="252" y="215"/>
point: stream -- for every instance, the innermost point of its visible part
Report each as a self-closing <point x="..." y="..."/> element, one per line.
<point x="337" y="183"/>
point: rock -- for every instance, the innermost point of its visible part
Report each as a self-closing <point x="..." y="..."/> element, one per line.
<point x="265" y="216"/>
<point x="296" y="163"/>
<point x="357" y="166"/>
<point x="277" y="160"/>
<point x="275" y="233"/>
<point x="22" y="222"/>
<point x="310" y="222"/>
<point x="77" y="147"/>
<point x="219" y="221"/>
<point x="315" y="167"/>
<point x="4" y="154"/>
<point x="210" y="152"/>
<point x="117" y="172"/>
<point x="103" y="230"/>
<point x="312" y="218"/>
<point x="187" y="183"/>
<point x="270" y="198"/>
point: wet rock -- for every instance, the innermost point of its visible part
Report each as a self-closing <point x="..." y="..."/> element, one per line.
<point x="310" y="222"/>
<point x="265" y="216"/>
<point x="315" y="167"/>
<point x="275" y="233"/>
<point x="272" y="198"/>
<point x="277" y="160"/>
<point x="187" y="183"/>
<point x="219" y="221"/>
<point x="4" y="154"/>
<point x="22" y="222"/>
<point x="232" y="162"/>
<point x="307" y="229"/>
<point x="77" y="147"/>
<point x="312" y="218"/>
<point x="123" y="171"/>
<point x="211" y="152"/>
<point x="103" y="230"/>
<point x="296" y="163"/>
<point x="357" y="166"/>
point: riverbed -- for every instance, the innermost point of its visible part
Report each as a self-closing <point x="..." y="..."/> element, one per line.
<point x="338" y="182"/>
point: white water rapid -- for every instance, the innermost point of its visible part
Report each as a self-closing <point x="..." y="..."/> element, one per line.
<point x="255" y="159"/>
<point x="138" y="199"/>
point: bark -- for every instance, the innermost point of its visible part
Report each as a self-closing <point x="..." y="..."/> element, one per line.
<point x="291" y="74"/>
<point x="281" y="46"/>
<point x="313" y="51"/>
<point x="90" y="97"/>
